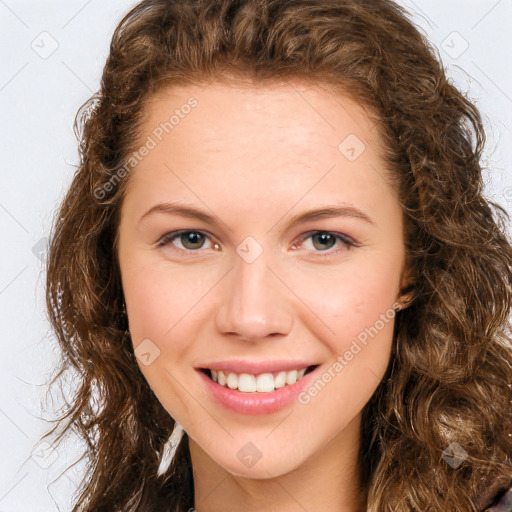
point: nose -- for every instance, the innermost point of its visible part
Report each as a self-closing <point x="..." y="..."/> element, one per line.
<point x="255" y="302"/>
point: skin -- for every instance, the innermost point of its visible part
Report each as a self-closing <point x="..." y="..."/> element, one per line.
<point x="254" y="157"/>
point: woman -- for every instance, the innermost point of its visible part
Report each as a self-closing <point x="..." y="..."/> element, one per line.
<point x="375" y="368"/>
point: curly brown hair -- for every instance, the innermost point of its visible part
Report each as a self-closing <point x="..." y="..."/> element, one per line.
<point x="449" y="377"/>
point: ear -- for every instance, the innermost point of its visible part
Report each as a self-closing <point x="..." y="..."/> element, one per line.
<point x="407" y="287"/>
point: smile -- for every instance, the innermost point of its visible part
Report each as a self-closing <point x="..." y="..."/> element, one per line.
<point x="261" y="383"/>
<point x="256" y="393"/>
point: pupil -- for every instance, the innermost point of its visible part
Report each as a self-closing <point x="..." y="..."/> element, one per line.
<point x="191" y="237"/>
<point x="324" y="237"/>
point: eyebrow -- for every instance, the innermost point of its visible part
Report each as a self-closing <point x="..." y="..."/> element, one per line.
<point x="317" y="214"/>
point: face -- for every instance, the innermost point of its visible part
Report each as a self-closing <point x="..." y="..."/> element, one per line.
<point x="254" y="283"/>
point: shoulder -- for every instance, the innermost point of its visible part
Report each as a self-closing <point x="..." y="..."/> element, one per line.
<point x="502" y="503"/>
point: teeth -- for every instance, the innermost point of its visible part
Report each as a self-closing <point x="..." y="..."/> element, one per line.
<point x="263" y="383"/>
<point x="232" y="381"/>
<point x="280" y="380"/>
<point x="291" y="377"/>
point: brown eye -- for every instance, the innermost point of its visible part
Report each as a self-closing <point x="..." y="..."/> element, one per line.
<point x="192" y="240"/>
<point x="185" y="241"/>
<point x="324" y="240"/>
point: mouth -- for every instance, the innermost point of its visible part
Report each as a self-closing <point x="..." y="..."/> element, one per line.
<point x="260" y="383"/>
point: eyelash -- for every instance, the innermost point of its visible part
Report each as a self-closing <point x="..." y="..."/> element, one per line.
<point x="347" y="243"/>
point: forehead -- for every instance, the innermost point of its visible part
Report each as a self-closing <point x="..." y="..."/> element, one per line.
<point x="291" y="102"/>
<point x="272" y="142"/>
<point x="300" y="117"/>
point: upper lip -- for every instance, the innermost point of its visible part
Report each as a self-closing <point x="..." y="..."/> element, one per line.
<point x="256" y="367"/>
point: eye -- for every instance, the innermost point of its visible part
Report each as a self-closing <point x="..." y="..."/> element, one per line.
<point x="325" y="240"/>
<point x="190" y="240"/>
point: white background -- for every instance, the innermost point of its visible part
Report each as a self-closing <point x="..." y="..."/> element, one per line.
<point x="39" y="96"/>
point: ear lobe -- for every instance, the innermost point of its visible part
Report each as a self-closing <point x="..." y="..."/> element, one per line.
<point x="406" y="300"/>
<point x="408" y="290"/>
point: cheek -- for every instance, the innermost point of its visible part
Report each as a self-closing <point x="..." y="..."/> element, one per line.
<point x="159" y="302"/>
<point x="149" y="312"/>
<point x="357" y="308"/>
<point x="349" y="300"/>
<point x="160" y="305"/>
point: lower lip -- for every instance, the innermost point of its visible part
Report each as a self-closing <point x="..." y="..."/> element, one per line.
<point x="256" y="403"/>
